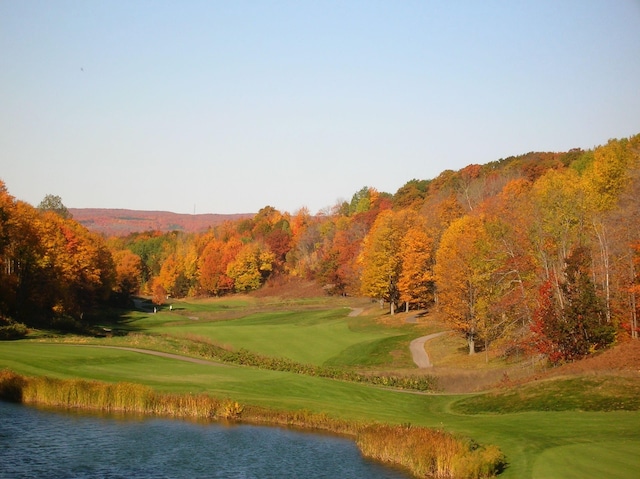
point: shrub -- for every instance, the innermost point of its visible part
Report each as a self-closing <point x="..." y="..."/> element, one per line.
<point x="203" y="347"/>
<point x="230" y="410"/>
<point x="13" y="331"/>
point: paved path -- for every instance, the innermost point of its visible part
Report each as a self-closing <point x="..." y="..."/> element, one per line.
<point x="420" y="356"/>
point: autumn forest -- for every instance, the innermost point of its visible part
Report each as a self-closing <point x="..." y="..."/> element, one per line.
<point x="531" y="254"/>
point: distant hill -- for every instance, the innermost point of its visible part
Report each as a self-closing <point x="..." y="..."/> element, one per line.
<point x="119" y="222"/>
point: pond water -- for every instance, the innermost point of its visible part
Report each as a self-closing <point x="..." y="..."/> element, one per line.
<point x="36" y="443"/>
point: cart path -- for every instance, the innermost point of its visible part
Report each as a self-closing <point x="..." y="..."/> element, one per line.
<point x="420" y="356"/>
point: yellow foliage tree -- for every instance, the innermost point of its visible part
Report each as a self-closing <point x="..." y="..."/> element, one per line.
<point x="251" y="267"/>
<point x="606" y="178"/>
<point x="171" y="275"/>
<point x="559" y="212"/>
<point x="462" y="275"/>
<point x="381" y="257"/>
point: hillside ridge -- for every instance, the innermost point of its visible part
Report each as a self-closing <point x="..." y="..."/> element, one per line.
<point x="121" y="222"/>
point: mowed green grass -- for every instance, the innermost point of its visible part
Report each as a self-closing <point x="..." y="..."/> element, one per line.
<point x="274" y="389"/>
<point x="538" y="444"/>
<point x="318" y="337"/>
<point x="588" y="460"/>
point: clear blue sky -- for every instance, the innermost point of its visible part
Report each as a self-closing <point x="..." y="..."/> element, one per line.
<point x="230" y="106"/>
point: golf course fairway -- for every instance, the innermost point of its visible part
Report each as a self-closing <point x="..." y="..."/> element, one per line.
<point x="537" y="444"/>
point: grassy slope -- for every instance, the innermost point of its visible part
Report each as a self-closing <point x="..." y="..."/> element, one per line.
<point x="319" y="336"/>
<point x="314" y="339"/>
<point x="537" y="444"/>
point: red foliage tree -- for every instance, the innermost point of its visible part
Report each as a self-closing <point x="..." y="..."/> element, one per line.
<point x="576" y="326"/>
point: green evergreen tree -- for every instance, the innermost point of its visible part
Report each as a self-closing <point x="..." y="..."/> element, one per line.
<point x="575" y="326"/>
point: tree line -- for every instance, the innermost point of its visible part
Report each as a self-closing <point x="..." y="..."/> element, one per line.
<point x="531" y="253"/>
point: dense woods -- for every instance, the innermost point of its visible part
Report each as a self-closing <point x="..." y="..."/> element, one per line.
<point x="538" y="253"/>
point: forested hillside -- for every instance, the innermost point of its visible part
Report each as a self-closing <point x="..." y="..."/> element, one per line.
<point x="119" y="222"/>
<point x="533" y="253"/>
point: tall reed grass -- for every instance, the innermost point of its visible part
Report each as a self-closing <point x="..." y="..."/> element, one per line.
<point x="423" y="452"/>
<point x="429" y="452"/>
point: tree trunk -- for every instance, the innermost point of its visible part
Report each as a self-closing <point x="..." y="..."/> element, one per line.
<point x="472" y="344"/>
<point x="604" y="258"/>
<point x="633" y="302"/>
<point x="634" y="316"/>
<point x="486" y="351"/>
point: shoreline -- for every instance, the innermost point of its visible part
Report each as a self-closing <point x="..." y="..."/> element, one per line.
<point x="421" y="451"/>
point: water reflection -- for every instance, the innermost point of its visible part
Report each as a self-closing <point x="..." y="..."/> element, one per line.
<point x="36" y="443"/>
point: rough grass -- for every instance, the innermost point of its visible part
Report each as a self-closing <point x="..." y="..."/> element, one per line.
<point x="459" y="372"/>
<point x="601" y="393"/>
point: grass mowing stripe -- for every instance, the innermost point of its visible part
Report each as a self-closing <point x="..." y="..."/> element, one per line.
<point x="577" y="461"/>
<point x="374" y="352"/>
<point x="308" y="337"/>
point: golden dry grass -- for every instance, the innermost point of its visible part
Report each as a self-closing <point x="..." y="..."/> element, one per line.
<point x="422" y="451"/>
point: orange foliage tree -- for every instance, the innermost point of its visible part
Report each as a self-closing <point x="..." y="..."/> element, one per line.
<point x="381" y="257"/>
<point x="128" y="272"/>
<point x="213" y="264"/>
<point x="416" y="282"/>
<point x="508" y="222"/>
<point x="52" y="266"/>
